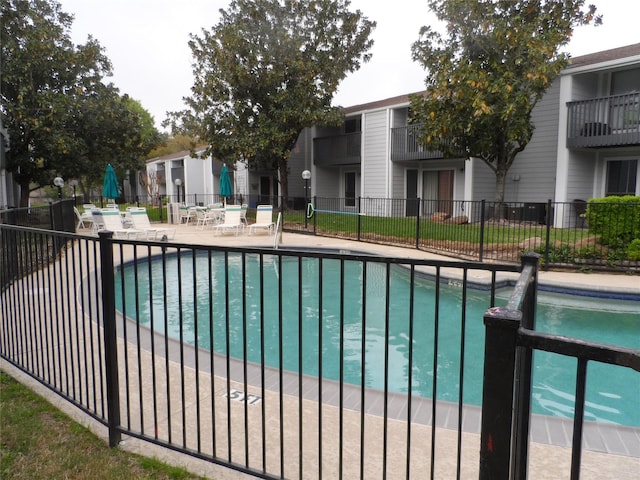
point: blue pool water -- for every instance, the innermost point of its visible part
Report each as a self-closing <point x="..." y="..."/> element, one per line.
<point x="613" y="394"/>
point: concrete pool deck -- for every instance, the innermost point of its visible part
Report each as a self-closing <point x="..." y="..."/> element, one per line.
<point x="616" y="454"/>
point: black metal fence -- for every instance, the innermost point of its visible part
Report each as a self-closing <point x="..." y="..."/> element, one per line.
<point x="509" y="345"/>
<point x="480" y="230"/>
<point x="560" y="233"/>
<point x="281" y="364"/>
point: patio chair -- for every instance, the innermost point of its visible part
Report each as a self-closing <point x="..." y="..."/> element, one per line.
<point x="85" y="219"/>
<point x="243" y="214"/>
<point x="208" y="217"/>
<point x="231" y="219"/>
<point x="187" y="214"/>
<point x="112" y="220"/>
<point x="264" y="219"/>
<point x="140" y="221"/>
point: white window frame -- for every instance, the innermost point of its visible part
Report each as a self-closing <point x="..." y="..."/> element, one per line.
<point x="605" y="168"/>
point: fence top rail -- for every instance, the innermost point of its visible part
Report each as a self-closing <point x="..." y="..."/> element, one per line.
<point x="526" y="279"/>
<point x="573" y="347"/>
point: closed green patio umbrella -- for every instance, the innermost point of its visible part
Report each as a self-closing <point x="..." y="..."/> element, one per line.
<point x="110" y="185"/>
<point x="225" y="183"/>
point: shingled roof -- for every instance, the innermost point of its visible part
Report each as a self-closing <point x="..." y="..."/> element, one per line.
<point x="582" y="60"/>
<point x="605" y="56"/>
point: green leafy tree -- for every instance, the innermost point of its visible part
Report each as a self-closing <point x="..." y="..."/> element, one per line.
<point x="174" y="144"/>
<point x="486" y="73"/>
<point x="60" y="116"/>
<point x="269" y="69"/>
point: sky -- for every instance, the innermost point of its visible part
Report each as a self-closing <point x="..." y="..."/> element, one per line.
<point x="146" y="41"/>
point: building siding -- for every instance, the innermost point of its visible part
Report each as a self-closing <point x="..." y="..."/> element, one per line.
<point x="374" y="154"/>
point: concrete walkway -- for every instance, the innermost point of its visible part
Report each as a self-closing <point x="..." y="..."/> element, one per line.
<point x="546" y="461"/>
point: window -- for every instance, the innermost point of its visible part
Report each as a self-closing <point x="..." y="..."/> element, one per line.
<point x="350" y="189"/>
<point x="622" y="177"/>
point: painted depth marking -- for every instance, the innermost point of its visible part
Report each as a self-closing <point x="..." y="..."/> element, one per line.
<point x="239" y="396"/>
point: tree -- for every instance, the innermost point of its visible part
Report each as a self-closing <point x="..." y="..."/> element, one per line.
<point x="488" y="71"/>
<point x="60" y="116"/>
<point x="269" y="69"/>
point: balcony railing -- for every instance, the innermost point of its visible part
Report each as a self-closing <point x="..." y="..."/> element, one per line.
<point x="604" y="122"/>
<point x="405" y="145"/>
<point x="337" y="150"/>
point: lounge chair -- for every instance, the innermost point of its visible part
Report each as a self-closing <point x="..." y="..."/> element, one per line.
<point x="231" y="219"/>
<point x="112" y="221"/>
<point x="98" y="220"/>
<point x="85" y="219"/>
<point x="264" y="219"/>
<point x="141" y="222"/>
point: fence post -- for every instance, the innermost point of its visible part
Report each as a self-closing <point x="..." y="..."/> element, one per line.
<point x="315" y="217"/>
<point x="359" y="216"/>
<point x="480" y="255"/>
<point x="547" y="220"/>
<point x="418" y="223"/>
<point x="497" y="392"/>
<point x="107" y="277"/>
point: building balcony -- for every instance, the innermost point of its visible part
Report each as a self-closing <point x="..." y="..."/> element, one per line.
<point x="406" y="146"/>
<point x="612" y="121"/>
<point x="337" y="150"/>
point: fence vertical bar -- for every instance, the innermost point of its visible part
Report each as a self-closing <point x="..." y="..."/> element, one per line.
<point x="548" y="239"/>
<point x="418" y="223"/>
<point x="497" y="392"/>
<point x="482" y="219"/>
<point x="359" y="217"/>
<point x="107" y="277"/>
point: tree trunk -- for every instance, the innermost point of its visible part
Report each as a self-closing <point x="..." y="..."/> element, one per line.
<point x="284" y="180"/>
<point x="25" y="193"/>
<point x="499" y="212"/>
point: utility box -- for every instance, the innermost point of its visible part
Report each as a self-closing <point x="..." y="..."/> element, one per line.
<point x="535" y="212"/>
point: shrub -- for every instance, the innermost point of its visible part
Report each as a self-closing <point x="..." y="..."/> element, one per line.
<point x="633" y="250"/>
<point x="616" y="220"/>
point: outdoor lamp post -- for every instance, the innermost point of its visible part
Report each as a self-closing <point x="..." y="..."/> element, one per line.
<point x="59" y="182"/>
<point x="306" y="175"/>
<point x="178" y="182"/>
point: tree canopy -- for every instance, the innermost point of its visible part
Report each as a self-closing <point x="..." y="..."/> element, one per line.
<point x="486" y="73"/>
<point x="60" y="117"/>
<point x="269" y="69"/>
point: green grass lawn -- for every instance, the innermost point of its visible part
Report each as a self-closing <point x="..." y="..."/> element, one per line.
<point x="39" y="442"/>
<point x="404" y="229"/>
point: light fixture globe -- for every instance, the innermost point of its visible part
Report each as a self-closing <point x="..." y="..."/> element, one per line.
<point x="58" y="182"/>
<point x="177" y="182"/>
<point x="306" y="174"/>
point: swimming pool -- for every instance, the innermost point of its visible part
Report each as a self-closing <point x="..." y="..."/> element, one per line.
<point x="612" y="393"/>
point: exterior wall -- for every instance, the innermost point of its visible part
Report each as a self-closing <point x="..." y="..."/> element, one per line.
<point x="398" y="185"/>
<point x="375" y="139"/>
<point x="400" y="117"/>
<point x="580" y="184"/>
<point x="532" y="176"/>
<point x="484" y="181"/>
<point x="325" y="182"/>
